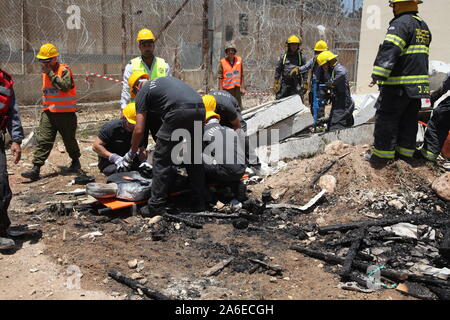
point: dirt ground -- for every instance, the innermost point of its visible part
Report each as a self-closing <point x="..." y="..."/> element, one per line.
<point x="175" y="266"/>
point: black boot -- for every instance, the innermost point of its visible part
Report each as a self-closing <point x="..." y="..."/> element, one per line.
<point x="151" y="211"/>
<point x="5" y="242"/>
<point x="33" y="174"/>
<point x="75" y="166"/>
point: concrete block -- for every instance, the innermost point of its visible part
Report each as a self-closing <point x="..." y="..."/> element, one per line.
<point x="274" y="113"/>
<point x="365" y="107"/>
<point x="304" y="147"/>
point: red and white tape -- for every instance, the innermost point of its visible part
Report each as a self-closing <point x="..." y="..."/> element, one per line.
<point x="92" y="74"/>
<point x="89" y="74"/>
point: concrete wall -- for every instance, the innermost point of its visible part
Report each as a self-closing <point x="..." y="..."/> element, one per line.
<point x="375" y="21"/>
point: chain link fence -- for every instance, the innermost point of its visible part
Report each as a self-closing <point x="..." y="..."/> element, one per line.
<point x="99" y="36"/>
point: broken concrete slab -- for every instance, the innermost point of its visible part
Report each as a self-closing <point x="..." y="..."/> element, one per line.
<point x="365" y="107"/>
<point x="438" y="71"/>
<point x="293" y="125"/>
<point x="273" y="113"/>
<point x="304" y="147"/>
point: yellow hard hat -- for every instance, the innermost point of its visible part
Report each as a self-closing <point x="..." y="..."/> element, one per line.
<point x="210" y="103"/>
<point x="135" y="76"/>
<point x="211" y="114"/>
<point x="392" y="2"/>
<point x="145" y="34"/>
<point x="47" y="51"/>
<point x="325" y="57"/>
<point x="321" y="46"/>
<point x="294" y="39"/>
<point x="130" y="113"/>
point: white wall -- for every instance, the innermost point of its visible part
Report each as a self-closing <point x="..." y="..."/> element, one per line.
<point x="376" y="17"/>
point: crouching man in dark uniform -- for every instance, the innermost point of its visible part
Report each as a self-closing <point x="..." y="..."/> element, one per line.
<point x="341" y="115"/>
<point x="170" y="104"/>
<point x="114" y="141"/>
<point x="439" y="125"/>
<point x="224" y="154"/>
<point x="9" y="120"/>
<point x="227" y="107"/>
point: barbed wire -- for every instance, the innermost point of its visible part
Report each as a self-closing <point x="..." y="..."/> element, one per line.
<point x="89" y="35"/>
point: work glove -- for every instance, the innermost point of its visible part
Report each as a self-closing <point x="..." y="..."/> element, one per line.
<point x="115" y="159"/>
<point x="145" y="166"/>
<point x="294" y="72"/>
<point x="329" y="85"/>
<point x="124" y="165"/>
<point x="306" y="86"/>
<point x="276" y="87"/>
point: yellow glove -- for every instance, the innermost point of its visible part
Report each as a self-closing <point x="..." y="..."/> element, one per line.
<point x="276" y="87"/>
<point x="294" y="72"/>
<point x="306" y="86"/>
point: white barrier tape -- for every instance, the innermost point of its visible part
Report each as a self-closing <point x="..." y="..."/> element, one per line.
<point x="89" y="74"/>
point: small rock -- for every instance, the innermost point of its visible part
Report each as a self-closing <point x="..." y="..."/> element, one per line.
<point x="92" y="235"/>
<point x="219" y="205"/>
<point x="143" y="281"/>
<point x="34" y="270"/>
<point x="397" y="204"/>
<point x="442" y="187"/>
<point x="136" y="276"/>
<point x="328" y="183"/>
<point x="186" y="244"/>
<point x="105" y="281"/>
<point x="235" y="205"/>
<point x="140" y="292"/>
<point x="273" y="279"/>
<point x="241" y="224"/>
<point x="155" y="220"/>
<point x="140" y="266"/>
<point x="336" y="148"/>
<point x="320" y="266"/>
<point x="287" y="279"/>
<point x="177" y="226"/>
<point x="132" y="264"/>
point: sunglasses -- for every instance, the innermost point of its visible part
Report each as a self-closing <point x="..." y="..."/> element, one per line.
<point x="45" y="61"/>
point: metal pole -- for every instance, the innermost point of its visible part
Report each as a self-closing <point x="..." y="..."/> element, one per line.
<point x="205" y="46"/>
<point x="124" y="36"/>
<point x="23" y="37"/>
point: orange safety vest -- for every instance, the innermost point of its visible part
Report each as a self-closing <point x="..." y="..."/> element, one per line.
<point x="55" y="100"/>
<point x="232" y="75"/>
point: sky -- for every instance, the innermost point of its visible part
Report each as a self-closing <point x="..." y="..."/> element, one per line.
<point x="349" y="4"/>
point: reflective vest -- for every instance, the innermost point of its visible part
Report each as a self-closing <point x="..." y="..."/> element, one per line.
<point x="6" y="91"/>
<point x="55" y="100"/>
<point x="158" y="70"/>
<point x="232" y="75"/>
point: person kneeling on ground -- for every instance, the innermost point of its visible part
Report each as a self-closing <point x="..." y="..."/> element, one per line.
<point x="224" y="154"/>
<point x="114" y="141"/>
<point x="439" y="125"/>
<point x="341" y="115"/>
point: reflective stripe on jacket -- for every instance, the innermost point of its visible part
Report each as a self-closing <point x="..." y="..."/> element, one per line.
<point x="403" y="57"/>
<point x="232" y="75"/>
<point x="56" y="100"/>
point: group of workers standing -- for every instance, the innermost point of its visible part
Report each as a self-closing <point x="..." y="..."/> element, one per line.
<point x="155" y="103"/>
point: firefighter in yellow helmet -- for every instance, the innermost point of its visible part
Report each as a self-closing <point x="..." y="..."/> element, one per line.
<point x="288" y="79"/>
<point x="317" y="92"/>
<point x="223" y="154"/>
<point x="342" y="104"/>
<point x="147" y="63"/>
<point x="401" y="71"/>
<point x="114" y="141"/>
